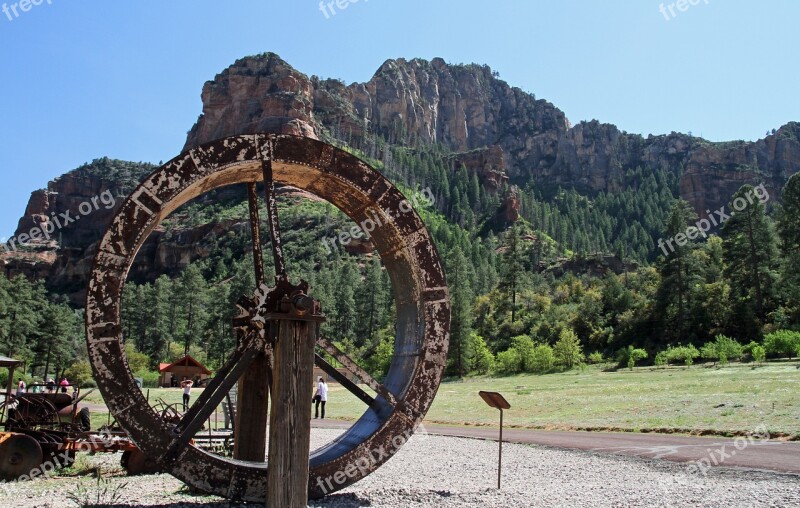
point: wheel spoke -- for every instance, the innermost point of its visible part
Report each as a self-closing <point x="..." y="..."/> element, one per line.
<point x="274" y="225"/>
<point x="213" y="395"/>
<point x="255" y="228"/>
<point x="357" y="371"/>
<point x="344" y="381"/>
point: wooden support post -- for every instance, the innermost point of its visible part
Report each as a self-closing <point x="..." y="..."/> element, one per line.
<point x="290" y="421"/>
<point x="250" y="434"/>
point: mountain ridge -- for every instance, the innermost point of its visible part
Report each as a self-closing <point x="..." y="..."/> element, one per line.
<point x="500" y="133"/>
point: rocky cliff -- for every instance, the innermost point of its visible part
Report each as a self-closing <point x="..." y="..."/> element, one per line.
<point x="467" y="108"/>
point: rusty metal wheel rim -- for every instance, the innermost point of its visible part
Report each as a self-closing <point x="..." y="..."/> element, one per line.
<point x="404" y="245"/>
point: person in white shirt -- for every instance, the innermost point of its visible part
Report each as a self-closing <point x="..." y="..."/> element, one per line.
<point x="20" y="387"/>
<point x="187" y="392"/>
<point x="321" y="397"/>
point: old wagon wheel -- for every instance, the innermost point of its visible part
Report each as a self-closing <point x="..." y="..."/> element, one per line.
<point x="34" y="412"/>
<point x="168" y="412"/>
<point x="407" y="252"/>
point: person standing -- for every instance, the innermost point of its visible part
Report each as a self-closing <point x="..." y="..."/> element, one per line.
<point x="20" y="387"/>
<point x="51" y="385"/>
<point x="64" y="384"/>
<point x="186" y="384"/>
<point x="321" y="397"/>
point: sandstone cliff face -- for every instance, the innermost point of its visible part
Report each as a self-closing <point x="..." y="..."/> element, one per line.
<point x="466" y="108"/>
<point x="461" y="107"/>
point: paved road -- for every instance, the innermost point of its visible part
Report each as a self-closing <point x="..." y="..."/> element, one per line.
<point x="753" y="453"/>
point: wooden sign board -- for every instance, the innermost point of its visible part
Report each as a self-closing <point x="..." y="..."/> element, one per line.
<point x="495" y="400"/>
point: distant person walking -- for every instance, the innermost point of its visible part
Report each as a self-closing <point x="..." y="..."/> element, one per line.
<point x="321" y="397"/>
<point x="20" y="387"/>
<point x="51" y="385"/>
<point x="64" y="384"/>
<point x="186" y="384"/>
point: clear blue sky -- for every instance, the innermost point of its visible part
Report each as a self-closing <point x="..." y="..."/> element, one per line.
<point x="91" y="78"/>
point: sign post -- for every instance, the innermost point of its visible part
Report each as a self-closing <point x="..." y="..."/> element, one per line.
<point x="497" y="401"/>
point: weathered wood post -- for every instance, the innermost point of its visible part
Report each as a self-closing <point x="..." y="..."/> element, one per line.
<point x="290" y="421"/>
<point x="252" y="406"/>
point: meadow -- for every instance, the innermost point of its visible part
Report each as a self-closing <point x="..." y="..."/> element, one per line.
<point x="700" y="399"/>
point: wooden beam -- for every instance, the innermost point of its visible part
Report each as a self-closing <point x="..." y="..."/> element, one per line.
<point x="252" y="406"/>
<point x="290" y="420"/>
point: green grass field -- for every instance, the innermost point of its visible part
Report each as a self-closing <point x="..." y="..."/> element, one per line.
<point x="735" y="398"/>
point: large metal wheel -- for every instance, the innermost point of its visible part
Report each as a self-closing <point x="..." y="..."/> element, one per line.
<point x="19" y="456"/>
<point x="405" y="248"/>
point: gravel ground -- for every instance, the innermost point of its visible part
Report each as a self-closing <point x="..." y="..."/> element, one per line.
<point x="450" y="472"/>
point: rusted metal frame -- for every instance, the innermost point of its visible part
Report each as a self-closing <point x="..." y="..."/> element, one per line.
<point x="344" y="381"/>
<point x="255" y="228"/>
<point x="274" y="225"/>
<point x="356" y="369"/>
<point x="212" y="387"/>
<point x="189" y="427"/>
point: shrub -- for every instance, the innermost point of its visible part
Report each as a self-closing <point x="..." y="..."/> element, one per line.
<point x="509" y="362"/>
<point x="759" y="354"/>
<point x="80" y="374"/>
<point x="596" y="358"/>
<point x="149" y="379"/>
<point x="482" y="360"/>
<point x="660" y="359"/>
<point x="136" y="360"/>
<point x="785" y="343"/>
<point x="524" y="346"/>
<point x="685" y="354"/>
<point x="722" y="349"/>
<point x="568" y="350"/>
<point x="542" y="359"/>
<point x="17" y="375"/>
<point x="629" y="356"/>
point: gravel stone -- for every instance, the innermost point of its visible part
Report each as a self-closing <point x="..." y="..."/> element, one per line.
<point x="454" y="472"/>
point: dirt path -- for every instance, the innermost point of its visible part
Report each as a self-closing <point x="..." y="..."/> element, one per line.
<point x="748" y="453"/>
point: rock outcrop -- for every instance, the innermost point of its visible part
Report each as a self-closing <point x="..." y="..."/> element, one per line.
<point x="504" y="133"/>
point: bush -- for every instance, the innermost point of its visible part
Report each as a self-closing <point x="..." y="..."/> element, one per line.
<point x="542" y="359"/>
<point x="524" y="346"/>
<point x="17" y="375"/>
<point x="596" y="358"/>
<point x="80" y="374"/>
<point x="722" y="349"/>
<point x="660" y="359"/>
<point x="136" y="360"/>
<point x="149" y="379"/>
<point x="627" y="357"/>
<point x="783" y="343"/>
<point x="482" y="360"/>
<point x="568" y="350"/>
<point x="682" y="354"/>
<point x="509" y="362"/>
<point x="759" y="354"/>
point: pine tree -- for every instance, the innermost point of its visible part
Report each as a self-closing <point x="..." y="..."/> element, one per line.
<point x="461" y="321"/>
<point x="789" y="231"/>
<point x="512" y="269"/>
<point x="751" y="256"/>
<point x="680" y="272"/>
<point x="192" y="295"/>
<point x="348" y="282"/>
<point x="371" y="301"/>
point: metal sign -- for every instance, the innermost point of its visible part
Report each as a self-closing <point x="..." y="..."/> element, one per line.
<point x="497" y="401"/>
